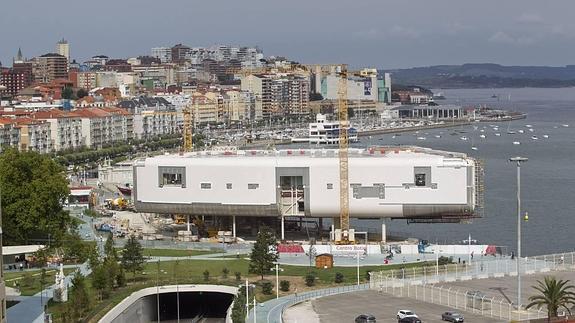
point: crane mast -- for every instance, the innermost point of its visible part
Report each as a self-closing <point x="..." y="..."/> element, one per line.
<point x="343" y="155"/>
<point x="188" y="143"/>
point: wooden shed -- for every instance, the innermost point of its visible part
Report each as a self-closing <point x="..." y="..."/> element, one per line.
<point x="324" y="260"/>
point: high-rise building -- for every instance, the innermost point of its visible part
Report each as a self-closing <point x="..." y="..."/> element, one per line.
<point x="164" y="54"/>
<point x="180" y="53"/>
<point x="63" y="48"/>
<point x="279" y="94"/>
<point x="50" y="67"/>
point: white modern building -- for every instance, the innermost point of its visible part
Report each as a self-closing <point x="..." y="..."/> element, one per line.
<point x="412" y="183"/>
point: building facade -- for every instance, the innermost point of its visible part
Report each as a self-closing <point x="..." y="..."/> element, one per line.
<point x="50" y="67"/>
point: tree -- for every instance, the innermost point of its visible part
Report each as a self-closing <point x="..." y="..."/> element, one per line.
<point x="109" y="249"/>
<point x="338" y="278"/>
<point x="206" y="275"/>
<point x="79" y="300"/>
<point x="239" y="308"/>
<point x="34" y="189"/>
<point x="310" y="279"/>
<point x="553" y="294"/>
<point x="284" y="285"/>
<point x="67" y="93"/>
<point x="132" y="256"/>
<point x="81" y="93"/>
<point x="264" y="253"/>
<point x="101" y="281"/>
<point x="267" y="287"/>
<point x="225" y="273"/>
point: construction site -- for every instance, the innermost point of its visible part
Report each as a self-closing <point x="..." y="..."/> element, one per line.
<point x="225" y="195"/>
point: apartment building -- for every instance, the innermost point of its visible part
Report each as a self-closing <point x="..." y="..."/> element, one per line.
<point x="280" y="94"/>
<point x="34" y="135"/>
<point x="152" y="123"/>
<point x="104" y="126"/>
<point x="164" y="54"/>
<point x="65" y="128"/>
<point x="49" y="67"/>
<point x="240" y="106"/>
<point x="207" y="107"/>
<point x="9" y="134"/>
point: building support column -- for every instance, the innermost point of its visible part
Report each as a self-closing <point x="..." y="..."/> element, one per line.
<point x="234" y="226"/>
<point x="383" y="232"/>
<point x="188" y="222"/>
<point x="283" y="227"/>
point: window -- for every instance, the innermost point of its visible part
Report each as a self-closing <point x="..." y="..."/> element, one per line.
<point x="329" y="186"/>
<point x="253" y="186"/>
<point x="419" y="179"/>
<point x="229" y="186"/>
<point x="172" y="176"/>
<point x="206" y="186"/>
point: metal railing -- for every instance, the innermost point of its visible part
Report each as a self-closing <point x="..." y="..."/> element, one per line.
<point x="485" y="267"/>
<point x="471" y="301"/>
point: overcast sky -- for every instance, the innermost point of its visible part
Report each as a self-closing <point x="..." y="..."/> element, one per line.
<point x="378" y="33"/>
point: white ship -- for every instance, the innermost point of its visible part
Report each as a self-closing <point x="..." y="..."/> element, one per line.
<point x="324" y="132"/>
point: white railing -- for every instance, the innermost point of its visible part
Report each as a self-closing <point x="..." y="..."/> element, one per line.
<point x="469" y="301"/>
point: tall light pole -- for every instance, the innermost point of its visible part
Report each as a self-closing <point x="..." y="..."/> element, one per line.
<point x="518" y="161"/>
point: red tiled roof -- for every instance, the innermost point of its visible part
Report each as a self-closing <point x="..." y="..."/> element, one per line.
<point x="91" y="113"/>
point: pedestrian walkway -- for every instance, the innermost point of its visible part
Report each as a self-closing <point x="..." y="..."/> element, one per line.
<point x="271" y="311"/>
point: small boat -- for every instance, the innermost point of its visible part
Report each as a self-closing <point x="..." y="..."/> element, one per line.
<point x="531" y="129"/>
<point x="437" y="136"/>
<point x="565" y="125"/>
<point x="463" y="138"/>
<point x="393" y="137"/>
<point x="520" y="131"/>
<point x="510" y="132"/>
<point x="546" y="136"/>
<point x="473" y="148"/>
<point x="534" y="138"/>
<point x="482" y="136"/>
<point x="516" y="143"/>
<point x="421" y="138"/>
<point x="497" y="134"/>
<point x="528" y="126"/>
<point x="482" y="130"/>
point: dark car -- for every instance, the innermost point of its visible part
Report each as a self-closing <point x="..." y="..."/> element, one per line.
<point x="365" y="318"/>
<point x="409" y="319"/>
<point x="452" y="317"/>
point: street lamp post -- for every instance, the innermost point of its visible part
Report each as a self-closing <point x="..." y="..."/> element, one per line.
<point x="518" y="161"/>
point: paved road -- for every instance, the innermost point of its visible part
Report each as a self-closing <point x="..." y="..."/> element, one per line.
<point x="345" y="307"/>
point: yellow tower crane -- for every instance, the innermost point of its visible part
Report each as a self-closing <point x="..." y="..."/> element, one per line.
<point x="187" y="131"/>
<point x="343" y="157"/>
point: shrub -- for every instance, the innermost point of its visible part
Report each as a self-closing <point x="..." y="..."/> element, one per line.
<point x="27" y="280"/>
<point x="225" y="273"/>
<point x="310" y="279"/>
<point x="338" y="278"/>
<point x="267" y="287"/>
<point x="445" y="260"/>
<point x="238" y="275"/>
<point x="284" y="285"/>
<point x="206" y="275"/>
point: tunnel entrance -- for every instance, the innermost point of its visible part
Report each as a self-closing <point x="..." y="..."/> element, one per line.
<point x="197" y="306"/>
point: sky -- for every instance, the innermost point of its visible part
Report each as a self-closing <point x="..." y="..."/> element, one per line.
<point x="363" y="33"/>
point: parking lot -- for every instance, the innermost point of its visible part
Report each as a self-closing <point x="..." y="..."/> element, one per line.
<point x="345" y="307"/>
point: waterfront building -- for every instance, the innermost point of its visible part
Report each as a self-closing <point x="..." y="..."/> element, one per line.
<point x="411" y="183"/>
<point x="279" y="94"/>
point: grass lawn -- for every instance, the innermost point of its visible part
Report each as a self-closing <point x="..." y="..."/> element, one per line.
<point x="191" y="271"/>
<point x="178" y="252"/>
<point x="33" y="286"/>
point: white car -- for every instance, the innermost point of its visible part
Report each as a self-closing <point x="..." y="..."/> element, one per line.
<point x="405" y="313"/>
